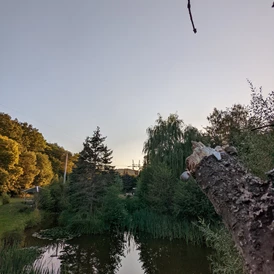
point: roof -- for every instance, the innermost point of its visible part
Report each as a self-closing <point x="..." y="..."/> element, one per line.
<point x="130" y="172"/>
<point x="34" y="189"/>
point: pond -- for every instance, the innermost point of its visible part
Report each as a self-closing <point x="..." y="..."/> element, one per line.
<point x="121" y="254"/>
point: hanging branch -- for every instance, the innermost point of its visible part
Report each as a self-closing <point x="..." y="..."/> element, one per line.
<point x="270" y="125"/>
<point x="190" y="15"/>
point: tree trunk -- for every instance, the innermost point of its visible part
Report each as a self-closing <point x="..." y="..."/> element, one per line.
<point x="246" y="205"/>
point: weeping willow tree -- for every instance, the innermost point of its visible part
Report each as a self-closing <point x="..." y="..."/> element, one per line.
<point x="169" y="142"/>
<point x="159" y="190"/>
<point x="164" y="143"/>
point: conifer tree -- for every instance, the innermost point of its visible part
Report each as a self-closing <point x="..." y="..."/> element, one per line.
<point x="93" y="173"/>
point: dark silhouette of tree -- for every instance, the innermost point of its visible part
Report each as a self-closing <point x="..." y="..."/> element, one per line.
<point x="92" y="174"/>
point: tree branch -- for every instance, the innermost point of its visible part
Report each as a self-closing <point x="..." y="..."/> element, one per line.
<point x="190" y="15"/>
<point x="269" y="125"/>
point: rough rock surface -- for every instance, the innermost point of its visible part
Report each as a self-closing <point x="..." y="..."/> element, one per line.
<point x="246" y="205"/>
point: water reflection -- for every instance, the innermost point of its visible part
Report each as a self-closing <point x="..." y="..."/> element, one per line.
<point x="122" y="254"/>
<point x="98" y="254"/>
<point x="171" y="257"/>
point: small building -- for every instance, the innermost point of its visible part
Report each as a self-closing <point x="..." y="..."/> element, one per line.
<point x="127" y="171"/>
<point x="34" y="191"/>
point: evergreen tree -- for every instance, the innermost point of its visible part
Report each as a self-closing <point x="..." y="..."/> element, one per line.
<point x="96" y="153"/>
<point x="93" y="173"/>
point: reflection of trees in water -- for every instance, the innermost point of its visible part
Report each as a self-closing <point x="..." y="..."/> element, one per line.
<point x="93" y="254"/>
<point x="170" y="257"/>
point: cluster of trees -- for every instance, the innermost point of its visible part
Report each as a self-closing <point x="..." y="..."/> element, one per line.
<point x="92" y="201"/>
<point x="169" y="144"/>
<point x="235" y="126"/>
<point x="26" y="159"/>
<point x="94" y="193"/>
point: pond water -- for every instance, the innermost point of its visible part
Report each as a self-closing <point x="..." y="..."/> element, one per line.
<point x="121" y="254"/>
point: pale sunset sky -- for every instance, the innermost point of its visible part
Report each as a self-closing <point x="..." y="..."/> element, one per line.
<point x="67" y="66"/>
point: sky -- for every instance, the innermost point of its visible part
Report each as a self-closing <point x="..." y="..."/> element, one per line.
<point x="67" y="66"/>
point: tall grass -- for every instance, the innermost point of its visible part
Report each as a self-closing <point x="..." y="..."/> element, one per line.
<point x="225" y="258"/>
<point x="82" y="223"/>
<point x="163" y="226"/>
<point x="14" y="260"/>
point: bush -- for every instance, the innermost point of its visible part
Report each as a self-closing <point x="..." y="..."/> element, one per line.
<point x="45" y="200"/>
<point x="191" y="203"/>
<point x="25" y="209"/>
<point x="225" y="257"/>
<point x="5" y="198"/>
<point x="35" y="219"/>
<point x="113" y="209"/>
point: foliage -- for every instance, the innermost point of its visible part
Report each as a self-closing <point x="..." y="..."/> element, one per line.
<point x="10" y="128"/>
<point x="32" y="139"/>
<point x="257" y="152"/>
<point x="56" y="233"/>
<point x="35" y="219"/>
<point x="96" y="153"/>
<point x="5" y="198"/>
<point x="45" y="173"/>
<point x="57" y="157"/>
<point x="163" y="226"/>
<point x="58" y="195"/>
<point x="9" y="169"/>
<point x="25" y="157"/>
<point x="86" y="224"/>
<point x="52" y="197"/>
<point x="113" y="206"/>
<point x="45" y="200"/>
<point x="129" y="182"/>
<point x="159" y="190"/>
<point x="12" y="238"/>
<point x="164" y="143"/>
<point x="225" y="125"/>
<point x="17" y="261"/>
<point x="261" y="109"/>
<point x="225" y="257"/>
<point x="91" y="176"/>
<point x="28" y="163"/>
<point x="156" y="188"/>
<point x="22" y="216"/>
<point x="190" y="203"/>
<point x="233" y="126"/>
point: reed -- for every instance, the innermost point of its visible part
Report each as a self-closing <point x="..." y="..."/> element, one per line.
<point x="163" y="226"/>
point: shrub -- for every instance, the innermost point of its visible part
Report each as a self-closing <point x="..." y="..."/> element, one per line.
<point x="45" y="200"/>
<point x="35" y="219"/>
<point x="225" y="257"/>
<point x="25" y="209"/>
<point x="5" y="198"/>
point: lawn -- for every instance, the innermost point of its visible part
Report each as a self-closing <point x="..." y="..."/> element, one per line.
<point x="10" y="216"/>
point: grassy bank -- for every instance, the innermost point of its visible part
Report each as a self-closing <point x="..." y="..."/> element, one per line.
<point x="17" y="216"/>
